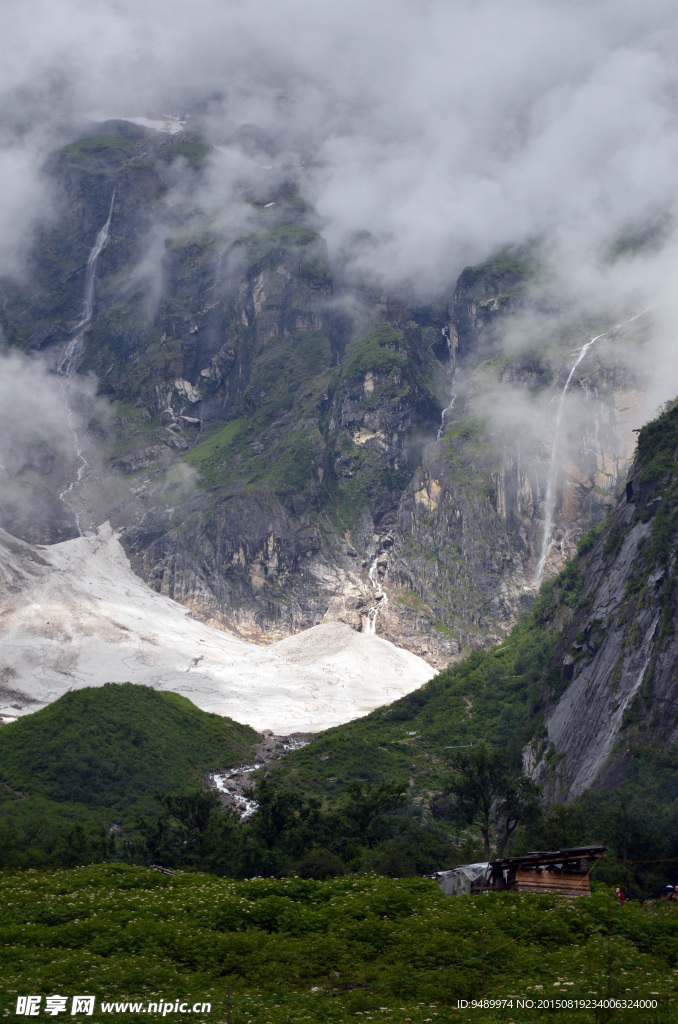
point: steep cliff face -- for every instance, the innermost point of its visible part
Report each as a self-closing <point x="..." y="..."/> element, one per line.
<point x="277" y="456"/>
<point x="471" y="522"/>
<point x="612" y="682"/>
<point x="482" y="297"/>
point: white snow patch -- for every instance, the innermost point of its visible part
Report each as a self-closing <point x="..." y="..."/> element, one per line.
<point x="171" y="124"/>
<point x="76" y="615"/>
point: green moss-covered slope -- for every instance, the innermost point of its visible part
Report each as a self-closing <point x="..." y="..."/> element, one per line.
<point x="111" y="749"/>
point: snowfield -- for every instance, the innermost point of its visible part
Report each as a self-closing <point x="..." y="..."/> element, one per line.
<point x="74" y="614"/>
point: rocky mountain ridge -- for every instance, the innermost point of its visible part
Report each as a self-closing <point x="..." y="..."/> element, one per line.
<point x="277" y="456"/>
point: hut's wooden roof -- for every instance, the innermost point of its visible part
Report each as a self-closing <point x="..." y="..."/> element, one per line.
<point x="538" y="857"/>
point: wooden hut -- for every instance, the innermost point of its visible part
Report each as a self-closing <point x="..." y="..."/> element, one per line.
<point x="564" y="871"/>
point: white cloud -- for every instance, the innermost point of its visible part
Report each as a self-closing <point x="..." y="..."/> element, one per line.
<point x="447" y="128"/>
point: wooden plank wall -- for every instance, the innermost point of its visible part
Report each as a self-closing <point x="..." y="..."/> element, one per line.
<point x="530" y="880"/>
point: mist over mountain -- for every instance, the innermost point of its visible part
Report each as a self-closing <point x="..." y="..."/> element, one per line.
<point x="444" y="130"/>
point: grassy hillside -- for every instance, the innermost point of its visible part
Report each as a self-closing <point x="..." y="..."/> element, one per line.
<point x="369" y="948"/>
<point x="104" y="753"/>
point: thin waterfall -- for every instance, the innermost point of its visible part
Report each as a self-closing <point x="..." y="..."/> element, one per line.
<point x="453" y="393"/>
<point x="73" y="351"/>
<point x="381" y="599"/>
<point x="550" y="504"/>
<point x="446" y="410"/>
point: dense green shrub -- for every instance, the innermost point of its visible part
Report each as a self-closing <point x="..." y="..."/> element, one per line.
<point x="327" y="951"/>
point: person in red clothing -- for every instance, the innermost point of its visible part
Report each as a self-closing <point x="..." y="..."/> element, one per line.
<point x="620" y="896"/>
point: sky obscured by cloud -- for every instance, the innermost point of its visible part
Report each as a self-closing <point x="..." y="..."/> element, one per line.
<point x="444" y="127"/>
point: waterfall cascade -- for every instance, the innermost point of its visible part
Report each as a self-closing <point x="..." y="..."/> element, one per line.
<point x="380" y="600"/>
<point x="448" y="408"/>
<point x="550" y="503"/>
<point x="73" y="351"/>
<point x="453" y="393"/>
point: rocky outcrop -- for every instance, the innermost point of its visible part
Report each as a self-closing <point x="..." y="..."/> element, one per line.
<point x="472" y="589"/>
<point x="483" y="296"/>
<point x="613" y="679"/>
